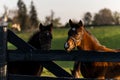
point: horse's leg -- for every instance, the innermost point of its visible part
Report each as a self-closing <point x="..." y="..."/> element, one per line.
<point x="76" y="70"/>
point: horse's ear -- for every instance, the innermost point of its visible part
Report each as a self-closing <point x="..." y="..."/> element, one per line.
<point x="51" y="25"/>
<point x="40" y="26"/>
<point x="80" y="23"/>
<point x="70" y="22"/>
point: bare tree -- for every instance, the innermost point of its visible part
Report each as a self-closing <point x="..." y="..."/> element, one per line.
<point x="52" y="19"/>
<point x="87" y="18"/>
<point x="33" y="16"/>
<point x="22" y="14"/>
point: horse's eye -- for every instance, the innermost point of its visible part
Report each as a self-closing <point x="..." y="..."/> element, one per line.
<point x="48" y="34"/>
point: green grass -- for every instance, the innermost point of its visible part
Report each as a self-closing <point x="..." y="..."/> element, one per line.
<point x="59" y="38"/>
<point x="108" y="36"/>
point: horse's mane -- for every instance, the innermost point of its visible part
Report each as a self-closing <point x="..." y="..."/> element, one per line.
<point x="94" y="38"/>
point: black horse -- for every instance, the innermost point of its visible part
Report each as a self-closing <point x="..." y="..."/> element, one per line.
<point x="40" y="40"/>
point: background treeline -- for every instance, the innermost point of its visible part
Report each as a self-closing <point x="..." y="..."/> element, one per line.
<point x="28" y="20"/>
<point x="103" y="17"/>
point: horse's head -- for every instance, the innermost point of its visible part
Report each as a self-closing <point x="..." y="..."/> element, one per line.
<point x="45" y="35"/>
<point x="75" y="35"/>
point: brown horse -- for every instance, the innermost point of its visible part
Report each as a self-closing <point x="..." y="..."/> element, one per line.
<point x="40" y="40"/>
<point x="79" y="37"/>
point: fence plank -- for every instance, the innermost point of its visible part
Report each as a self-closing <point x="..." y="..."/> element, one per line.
<point x="19" y="77"/>
<point x="3" y="48"/>
<point x="61" y="55"/>
<point x="18" y="42"/>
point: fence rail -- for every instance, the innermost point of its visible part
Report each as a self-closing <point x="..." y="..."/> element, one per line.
<point x="61" y="55"/>
<point x="19" y="77"/>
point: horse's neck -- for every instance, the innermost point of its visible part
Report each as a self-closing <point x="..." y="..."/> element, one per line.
<point x="89" y="42"/>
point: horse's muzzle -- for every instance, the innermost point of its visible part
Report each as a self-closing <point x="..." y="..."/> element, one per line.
<point x="66" y="46"/>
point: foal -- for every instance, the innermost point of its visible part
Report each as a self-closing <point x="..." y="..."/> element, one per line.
<point x="79" y="37"/>
<point x="40" y="40"/>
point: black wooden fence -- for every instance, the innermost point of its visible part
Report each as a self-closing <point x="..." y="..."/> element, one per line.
<point x="25" y="52"/>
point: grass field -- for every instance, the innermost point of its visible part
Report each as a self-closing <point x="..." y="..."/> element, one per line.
<point x="108" y="36"/>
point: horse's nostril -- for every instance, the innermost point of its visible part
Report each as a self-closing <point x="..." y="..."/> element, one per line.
<point x="66" y="45"/>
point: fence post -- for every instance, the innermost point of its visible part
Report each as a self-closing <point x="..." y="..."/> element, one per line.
<point x="3" y="51"/>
